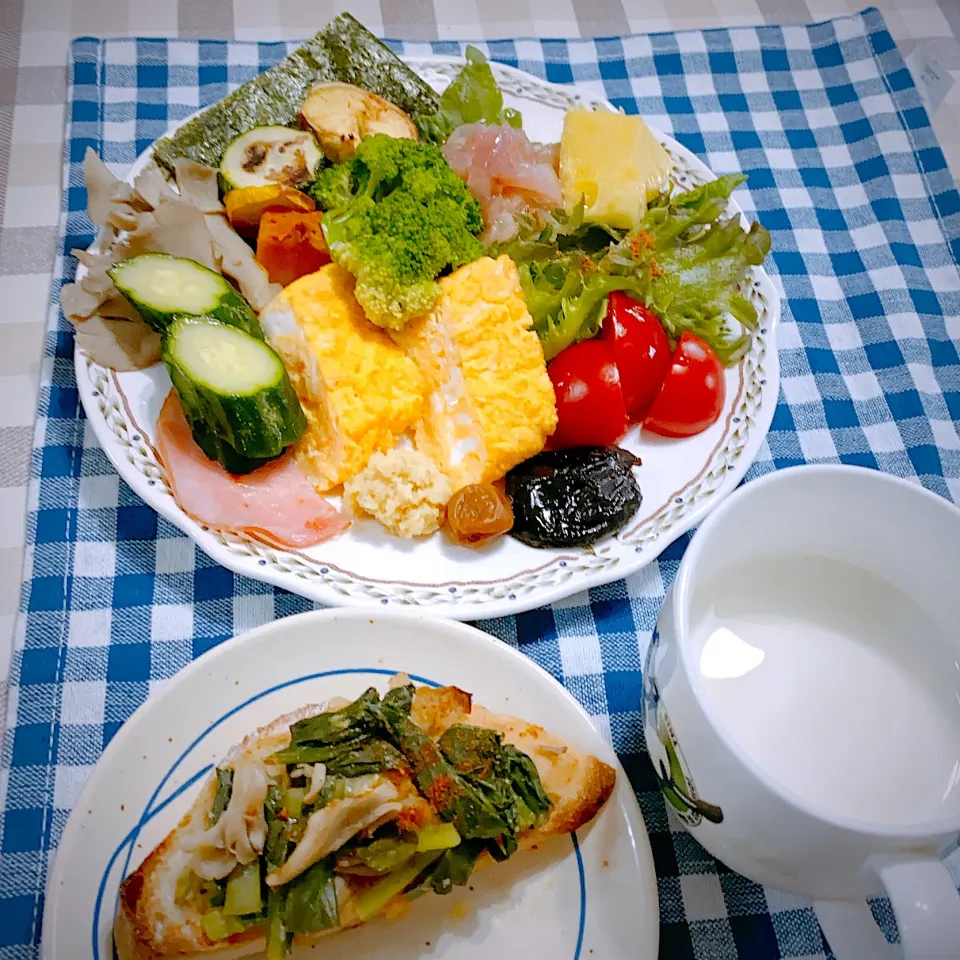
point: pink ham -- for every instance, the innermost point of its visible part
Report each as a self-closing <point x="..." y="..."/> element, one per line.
<point x="275" y="504"/>
<point x="506" y="172"/>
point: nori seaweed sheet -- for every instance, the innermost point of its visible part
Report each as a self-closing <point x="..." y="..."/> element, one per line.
<point x="344" y="50"/>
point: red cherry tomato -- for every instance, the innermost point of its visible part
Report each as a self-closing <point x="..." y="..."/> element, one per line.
<point x="590" y="406"/>
<point x="640" y="348"/>
<point x="692" y="395"/>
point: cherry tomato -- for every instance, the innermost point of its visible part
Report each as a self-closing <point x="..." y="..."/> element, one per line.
<point x="692" y="395"/>
<point x="640" y="348"/>
<point x="590" y="406"/>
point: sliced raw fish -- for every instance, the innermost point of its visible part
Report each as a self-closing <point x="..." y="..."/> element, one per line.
<point x="507" y="173"/>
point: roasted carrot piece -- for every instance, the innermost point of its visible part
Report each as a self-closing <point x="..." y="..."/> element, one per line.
<point x="246" y="205"/>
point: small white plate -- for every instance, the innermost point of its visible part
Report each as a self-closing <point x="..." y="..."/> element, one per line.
<point x="681" y="480"/>
<point x="591" y="895"/>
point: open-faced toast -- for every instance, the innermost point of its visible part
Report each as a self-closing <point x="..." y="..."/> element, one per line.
<point x="332" y="815"/>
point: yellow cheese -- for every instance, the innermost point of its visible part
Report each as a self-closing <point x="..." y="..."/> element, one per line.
<point x="358" y="389"/>
<point x="614" y="163"/>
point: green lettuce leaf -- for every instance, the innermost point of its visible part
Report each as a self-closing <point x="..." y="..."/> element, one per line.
<point x="474" y="96"/>
<point x="721" y="187"/>
<point x="685" y="261"/>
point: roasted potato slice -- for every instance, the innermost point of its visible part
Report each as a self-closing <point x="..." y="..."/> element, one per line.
<point x="341" y="114"/>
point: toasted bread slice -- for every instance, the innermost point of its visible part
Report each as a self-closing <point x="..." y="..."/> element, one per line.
<point x="151" y="925"/>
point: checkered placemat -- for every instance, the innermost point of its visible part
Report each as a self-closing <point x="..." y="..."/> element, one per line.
<point x="846" y="174"/>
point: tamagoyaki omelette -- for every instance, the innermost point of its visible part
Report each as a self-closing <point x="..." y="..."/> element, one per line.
<point x="465" y="384"/>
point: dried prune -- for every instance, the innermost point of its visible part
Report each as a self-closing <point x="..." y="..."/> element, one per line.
<point x="574" y="497"/>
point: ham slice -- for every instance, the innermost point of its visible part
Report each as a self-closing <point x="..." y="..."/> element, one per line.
<point x="275" y="504"/>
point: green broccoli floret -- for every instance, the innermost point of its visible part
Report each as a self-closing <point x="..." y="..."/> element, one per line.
<point x="398" y="217"/>
<point x="333" y="186"/>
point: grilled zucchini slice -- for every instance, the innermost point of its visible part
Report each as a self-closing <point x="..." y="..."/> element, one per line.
<point x="270" y="156"/>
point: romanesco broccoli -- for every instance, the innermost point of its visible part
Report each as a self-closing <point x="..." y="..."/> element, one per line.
<point x="397" y="217"/>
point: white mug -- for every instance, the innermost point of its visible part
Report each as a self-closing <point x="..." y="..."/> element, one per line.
<point x="777" y="786"/>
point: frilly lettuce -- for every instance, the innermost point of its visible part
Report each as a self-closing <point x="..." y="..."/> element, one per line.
<point x="686" y="261"/>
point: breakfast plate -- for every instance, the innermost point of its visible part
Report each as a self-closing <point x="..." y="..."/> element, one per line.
<point x="593" y="893"/>
<point x="681" y="480"/>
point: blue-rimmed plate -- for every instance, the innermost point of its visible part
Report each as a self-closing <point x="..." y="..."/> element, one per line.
<point x="593" y="894"/>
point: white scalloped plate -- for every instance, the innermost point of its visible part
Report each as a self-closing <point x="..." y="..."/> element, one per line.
<point x="681" y="480"/>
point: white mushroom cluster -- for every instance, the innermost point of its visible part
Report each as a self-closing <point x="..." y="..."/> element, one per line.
<point x="183" y="219"/>
<point x="241" y="832"/>
<point x="368" y="802"/>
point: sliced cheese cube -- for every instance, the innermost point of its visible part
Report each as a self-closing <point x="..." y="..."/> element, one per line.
<point x="614" y="162"/>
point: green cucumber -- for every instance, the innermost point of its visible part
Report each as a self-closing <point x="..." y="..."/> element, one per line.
<point x="218" y="449"/>
<point x="266" y="156"/>
<point x="162" y="287"/>
<point x="233" y="388"/>
<point x="344" y="50"/>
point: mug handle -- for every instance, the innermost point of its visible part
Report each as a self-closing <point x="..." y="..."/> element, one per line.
<point x="925" y="904"/>
<point x="851" y="931"/>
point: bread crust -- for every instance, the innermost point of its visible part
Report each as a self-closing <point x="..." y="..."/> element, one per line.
<point x="150" y="926"/>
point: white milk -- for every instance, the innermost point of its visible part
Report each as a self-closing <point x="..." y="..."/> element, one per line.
<point x="836" y="684"/>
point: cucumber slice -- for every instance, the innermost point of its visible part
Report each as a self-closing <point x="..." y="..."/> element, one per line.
<point x="270" y="155"/>
<point x="234" y="390"/>
<point x="162" y="287"/>
<point x="222" y="452"/>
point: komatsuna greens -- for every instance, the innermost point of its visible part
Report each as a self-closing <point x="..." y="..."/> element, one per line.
<point x="484" y="792"/>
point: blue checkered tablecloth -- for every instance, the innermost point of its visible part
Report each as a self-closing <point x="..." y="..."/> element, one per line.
<point x="846" y="174"/>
